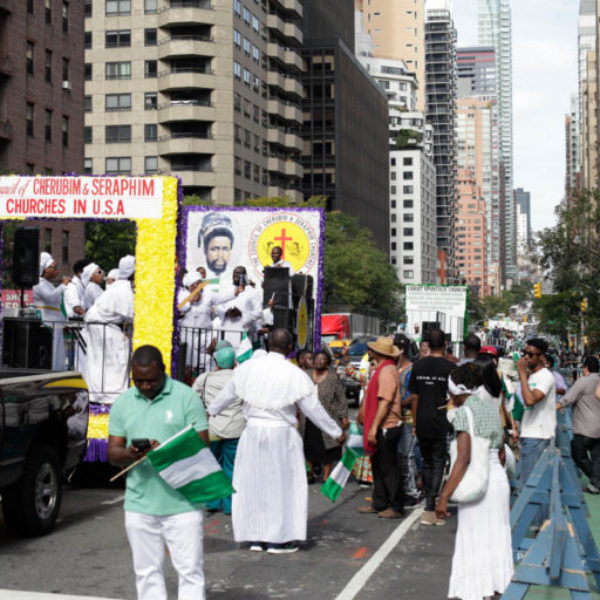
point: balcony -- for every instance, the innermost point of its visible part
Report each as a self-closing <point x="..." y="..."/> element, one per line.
<point x="186" y="14"/>
<point x="293" y="86"/>
<point x="6" y="130"/>
<point x="292" y="58"/>
<point x="276" y="136"/>
<point x="293" y="113"/>
<point x="7" y="66"/>
<point x="185" y="78"/>
<point x="294" y="141"/>
<point x="185" y="110"/>
<point x="191" y="178"/>
<point x="293" y="168"/>
<point x="274" y="50"/>
<point x="182" y="143"/>
<point x="275" y="164"/>
<point x="186" y="46"/>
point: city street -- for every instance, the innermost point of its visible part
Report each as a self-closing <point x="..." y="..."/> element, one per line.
<point x="88" y="555"/>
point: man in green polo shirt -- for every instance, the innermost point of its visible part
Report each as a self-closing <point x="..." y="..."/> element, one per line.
<point x="157" y="408"/>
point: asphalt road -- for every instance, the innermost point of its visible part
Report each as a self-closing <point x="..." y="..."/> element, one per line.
<point x="348" y="555"/>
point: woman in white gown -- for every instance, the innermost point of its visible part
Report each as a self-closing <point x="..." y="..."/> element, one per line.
<point x="482" y="562"/>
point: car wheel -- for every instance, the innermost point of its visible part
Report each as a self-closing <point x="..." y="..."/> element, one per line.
<point x="31" y="505"/>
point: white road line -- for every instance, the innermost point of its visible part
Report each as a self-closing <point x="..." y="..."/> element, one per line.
<point x="16" y="595"/>
<point x="113" y="500"/>
<point x="362" y="576"/>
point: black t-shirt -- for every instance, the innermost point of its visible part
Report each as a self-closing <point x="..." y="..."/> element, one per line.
<point x="429" y="380"/>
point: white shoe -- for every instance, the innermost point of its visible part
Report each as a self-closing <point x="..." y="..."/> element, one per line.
<point x="256" y="548"/>
<point x="282" y="548"/>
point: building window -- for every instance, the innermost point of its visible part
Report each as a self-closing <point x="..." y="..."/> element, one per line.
<point x="237" y="165"/>
<point x="48" y="66"/>
<point x="29" y="114"/>
<point x="237" y="39"/>
<point x="150" y="101"/>
<point x="118" y="70"/>
<point x="120" y="165"/>
<point x="87" y="135"/>
<point x="407" y="161"/>
<point x="407" y="175"/>
<point x="237" y="7"/>
<point x="151" y="164"/>
<point x="150" y="7"/>
<point x="393" y="162"/>
<point x="408" y="274"/>
<point x="113" y="102"/>
<point x="87" y="71"/>
<point x="392" y="189"/>
<point x="65" y="17"/>
<point x="255" y="24"/>
<point x="48" y="11"/>
<point x="65" y="131"/>
<point x="65" y="69"/>
<point x="393" y="232"/>
<point x="87" y="104"/>
<point x="48" y="240"/>
<point x="237" y="134"/>
<point x="237" y="70"/>
<point x="408" y="260"/>
<point x="87" y="166"/>
<point x="407" y="189"/>
<point x="118" y="7"/>
<point x="29" y="55"/>
<point x="87" y="39"/>
<point x="29" y="6"/>
<point x="393" y="246"/>
<point x="237" y="102"/>
<point x="65" y="247"/>
<point x="255" y="54"/>
<point x="247" y="77"/>
<point x="150" y="132"/>
<point x="150" y="69"/>
<point x="87" y="8"/>
<point x="118" y="39"/>
<point x="150" y="37"/>
<point x="48" y="125"/>
<point x="246" y="15"/>
<point x="247" y="169"/>
<point x="408" y="246"/>
<point x="407" y="231"/>
<point x="408" y="217"/>
<point x="117" y="134"/>
<point x="407" y="204"/>
<point x="247" y="46"/>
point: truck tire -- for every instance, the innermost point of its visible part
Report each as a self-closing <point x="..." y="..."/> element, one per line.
<point x="31" y="505"/>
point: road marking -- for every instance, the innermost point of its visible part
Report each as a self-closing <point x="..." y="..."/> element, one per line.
<point x="16" y="595"/>
<point x="114" y="500"/>
<point x="362" y="576"/>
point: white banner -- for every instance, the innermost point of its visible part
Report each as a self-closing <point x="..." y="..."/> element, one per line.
<point x="81" y="197"/>
<point x="451" y="300"/>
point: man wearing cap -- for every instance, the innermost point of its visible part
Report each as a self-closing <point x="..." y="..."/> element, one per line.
<point x="538" y="393"/>
<point x="47" y="298"/>
<point x="226" y="428"/>
<point x="216" y="238"/>
<point x="107" y="373"/>
<point x="382" y="422"/>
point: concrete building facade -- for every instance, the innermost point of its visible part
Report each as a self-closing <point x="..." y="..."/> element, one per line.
<point x="206" y="90"/>
<point x="476" y="71"/>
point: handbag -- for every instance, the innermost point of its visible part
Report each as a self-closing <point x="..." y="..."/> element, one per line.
<point x="474" y="483"/>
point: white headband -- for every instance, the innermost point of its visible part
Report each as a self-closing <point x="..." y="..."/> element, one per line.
<point x="459" y="389"/>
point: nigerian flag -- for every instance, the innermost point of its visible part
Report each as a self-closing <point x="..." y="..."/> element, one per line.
<point x="333" y="487"/>
<point x="186" y="464"/>
<point x="244" y="351"/>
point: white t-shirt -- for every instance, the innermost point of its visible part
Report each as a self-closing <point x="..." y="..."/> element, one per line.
<point x="539" y="421"/>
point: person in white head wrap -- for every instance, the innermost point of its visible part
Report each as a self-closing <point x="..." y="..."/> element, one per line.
<point x="196" y="324"/>
<point x="73" y="296"/>
<point x="109" y="345"/>
<point x="112" y="276"/>
<point x="92" y="278"/>
<point x="47" y="298"/>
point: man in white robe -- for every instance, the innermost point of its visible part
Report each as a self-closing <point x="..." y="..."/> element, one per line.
<point x="92" y="279"/>
<point x="270" y="506"/>
<point x="73" y="296"/>
<point x="47" y="298"/>
<point x="109" y="346"/>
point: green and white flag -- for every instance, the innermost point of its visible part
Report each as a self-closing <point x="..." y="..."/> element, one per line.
<point x="244" y="351"/>
<point x="355" y="438"/>
<point x="333" y="487"/>
<point x="186" y="464"/>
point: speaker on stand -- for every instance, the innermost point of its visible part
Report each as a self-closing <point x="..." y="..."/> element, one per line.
<point x="26" y="258"/>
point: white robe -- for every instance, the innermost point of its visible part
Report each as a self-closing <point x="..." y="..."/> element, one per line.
<point x="73" y="297"/>
<point x="47" y="298"/>
<point x="92" y="292"/>
<point x="271" y="500"/>
<point x="249" y="304"/>
<point x="108" y="347"/>
<point x="195" y="328"/>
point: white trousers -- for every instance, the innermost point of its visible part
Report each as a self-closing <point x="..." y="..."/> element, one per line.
<point x="182" y="534"/>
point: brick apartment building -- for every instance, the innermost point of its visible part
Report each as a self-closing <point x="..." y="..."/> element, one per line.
<point x="41" y="103"/>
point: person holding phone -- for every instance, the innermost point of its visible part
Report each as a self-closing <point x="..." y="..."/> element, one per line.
<point x="147" y="414"/>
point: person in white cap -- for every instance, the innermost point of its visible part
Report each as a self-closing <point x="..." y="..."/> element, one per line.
<point x="73" y="296"/>
<point x="112" y="276"/>
<point x="47" y="298"/>
<point x="92" y="278"/>
<point x="107" y="373"/>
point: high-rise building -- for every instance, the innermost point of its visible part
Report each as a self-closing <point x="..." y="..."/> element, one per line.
<point x="206" y="90"/>
<point x="440" y="110"/>
<point x="572" y="174"/>
<point x="41" y="105"/>
<point x="495" y="30"/>
<point x="523" y="207"/>
<point x="471" y="238"/>
<point x="397" y="30"/>
<point x="476" y="71"/>
<point x="341" y="103"/>
<point x="412" y="174"/>
<point x="477" y="154"/>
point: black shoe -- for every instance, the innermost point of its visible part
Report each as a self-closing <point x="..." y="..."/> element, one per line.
<point x="411" y="501"/>
<point x="282" y="548"/>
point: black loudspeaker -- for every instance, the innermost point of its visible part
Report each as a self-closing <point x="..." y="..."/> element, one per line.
<point x="427" y="326"/>
<point x="26" y="257"/>
<point x="27" y="344"/>
<point x="276" y="283"/>
<point x="302" y="285"/>
<point x="283" y="318"/>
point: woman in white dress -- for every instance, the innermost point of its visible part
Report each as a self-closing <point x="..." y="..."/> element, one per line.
<point x="482" y="563"/>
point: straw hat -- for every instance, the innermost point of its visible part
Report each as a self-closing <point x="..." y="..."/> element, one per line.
<point x="385" y="345"/>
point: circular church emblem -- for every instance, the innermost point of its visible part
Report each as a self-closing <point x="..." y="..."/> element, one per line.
<point x="293" y="234"/>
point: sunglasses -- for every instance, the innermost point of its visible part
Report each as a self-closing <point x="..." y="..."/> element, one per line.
<point x="530" y="354"/>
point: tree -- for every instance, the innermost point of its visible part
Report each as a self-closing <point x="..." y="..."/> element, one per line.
<point x="106" y="243"/>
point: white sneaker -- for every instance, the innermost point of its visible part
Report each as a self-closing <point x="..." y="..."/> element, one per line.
<point x="282" y="548"/>
<point x="256" y="548"/>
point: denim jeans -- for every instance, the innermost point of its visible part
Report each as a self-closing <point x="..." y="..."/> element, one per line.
<point x="531" y="450"/>
<point x="406" y="459"/>
<point x="434" y="456"/>
<point x="586" y="454"/>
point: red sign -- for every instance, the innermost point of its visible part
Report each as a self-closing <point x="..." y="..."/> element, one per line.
<point x="12" y="298"/>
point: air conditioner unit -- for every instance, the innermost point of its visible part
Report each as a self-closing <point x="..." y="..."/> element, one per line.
<point x="66" y="85"/>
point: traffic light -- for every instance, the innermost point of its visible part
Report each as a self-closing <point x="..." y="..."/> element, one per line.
<point x="537" y="289"/>
<point x="584" y="305"/>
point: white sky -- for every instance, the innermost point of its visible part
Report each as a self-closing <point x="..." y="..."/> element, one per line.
<point x="544" y="77"/>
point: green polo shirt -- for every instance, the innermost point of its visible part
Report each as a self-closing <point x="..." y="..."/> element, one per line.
<point x="135" y="416"/>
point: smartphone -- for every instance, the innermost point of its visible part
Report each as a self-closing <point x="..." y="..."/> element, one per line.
<point x="142" y="444"/>
<point x="242" y="279"/>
